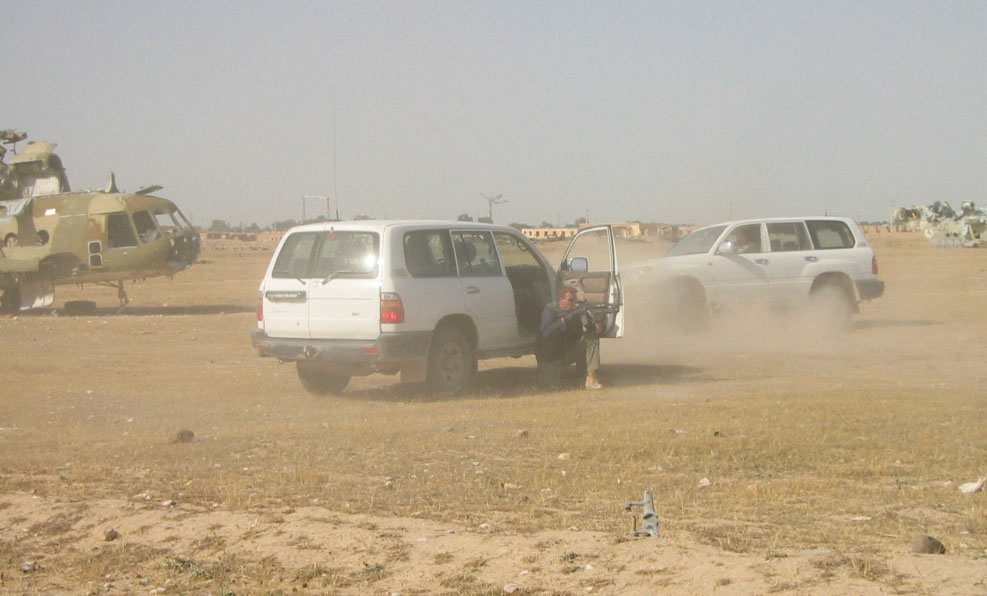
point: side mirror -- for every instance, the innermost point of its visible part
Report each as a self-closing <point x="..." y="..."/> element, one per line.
<point x="578" y="265"/>
<point x="727" y="248"/>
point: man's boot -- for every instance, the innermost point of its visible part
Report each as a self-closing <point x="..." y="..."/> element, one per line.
<point x="593" y="381"/>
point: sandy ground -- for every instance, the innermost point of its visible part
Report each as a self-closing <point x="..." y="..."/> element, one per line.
<point x="58" y="537"/>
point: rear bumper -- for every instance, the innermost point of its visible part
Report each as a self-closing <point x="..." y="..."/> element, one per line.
<point x="392" y="349"/>
<point x="870" y="289"/>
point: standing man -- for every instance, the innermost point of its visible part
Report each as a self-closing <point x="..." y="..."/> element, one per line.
<point x="569" y="334"/>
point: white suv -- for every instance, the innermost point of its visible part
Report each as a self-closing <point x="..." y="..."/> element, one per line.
<point x="423" y="298"/>
<point x="824" y="262"/>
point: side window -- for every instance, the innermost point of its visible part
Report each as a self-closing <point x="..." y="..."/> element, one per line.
<point x="428" y="253"/>
<point x="119" y="232"/>
<point x="830" y="234"/>
<point x="167" y="222"/>
<point x="515" y="253"/>
<point x="476" y="254"/>
<point x="746" y="239"/>
<point x="788" y="236"/>
<point x="145" y="226"/>
<point x="295" y="256"/>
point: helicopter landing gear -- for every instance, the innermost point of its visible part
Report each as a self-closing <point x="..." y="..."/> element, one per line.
<point x="121" y="293"/>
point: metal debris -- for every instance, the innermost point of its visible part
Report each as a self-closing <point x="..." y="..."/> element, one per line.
<point x="943" y="226"/>
<point x="649" y="517"/>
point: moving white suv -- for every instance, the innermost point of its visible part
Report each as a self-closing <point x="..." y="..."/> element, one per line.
<point x="423" y="298"/>
<point x="822" y="262"/>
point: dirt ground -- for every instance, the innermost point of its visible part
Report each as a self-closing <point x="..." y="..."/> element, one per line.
<point x="151" y="451"/>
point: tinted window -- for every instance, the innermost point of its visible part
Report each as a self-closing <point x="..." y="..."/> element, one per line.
<point x="476" y="254"/>
<point x="119" y="232"/>
<point x="295" y="256"/>
<point x="428" y="253"/>
<point x="346" y="254"/>
<point x="698" y="242"/>
<point x="788" y="236"/>
<point x="830" y="234"/>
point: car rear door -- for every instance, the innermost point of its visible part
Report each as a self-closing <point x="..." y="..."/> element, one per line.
<point x="285" y="291"/>
<point x="344" y="287"/>
<point x="791" y="254"/>
<point x="596" y="276"/>
<point x="488" y="292"/>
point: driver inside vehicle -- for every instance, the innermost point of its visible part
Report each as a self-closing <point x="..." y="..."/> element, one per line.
<point x="746" y="239"/>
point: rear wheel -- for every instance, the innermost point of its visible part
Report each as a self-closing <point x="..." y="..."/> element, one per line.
<point x="832" y="306"/>
<point x="316" y="378"/>
<point x="451" y="362"/>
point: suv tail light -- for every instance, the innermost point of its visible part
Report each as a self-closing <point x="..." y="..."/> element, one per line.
<point x="391" y="308"/>
<point x="260" y="306"/>
<point x="873" y="265"/>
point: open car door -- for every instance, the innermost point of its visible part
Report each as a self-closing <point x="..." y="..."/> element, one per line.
<point x="590" y="266"/>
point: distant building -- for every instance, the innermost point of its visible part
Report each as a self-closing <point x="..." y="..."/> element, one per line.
<point x="549" y="233"/>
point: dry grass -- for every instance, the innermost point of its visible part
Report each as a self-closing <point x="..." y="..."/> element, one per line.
<point x="848" y="445"/>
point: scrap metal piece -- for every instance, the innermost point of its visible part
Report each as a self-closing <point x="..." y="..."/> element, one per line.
<point x="649" y="517"/>
<point x="943" y="225"/>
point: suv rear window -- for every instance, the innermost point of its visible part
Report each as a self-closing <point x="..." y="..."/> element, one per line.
<point x="329" y="253"/>
<point x="828" y="234"/>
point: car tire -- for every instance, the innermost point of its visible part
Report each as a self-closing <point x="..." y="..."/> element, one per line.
<point x="451" y="361"/>
<point x="832" y="307"/>
<point x="317" y="379"/>
<point x="688" y="312"/>
<point x="80" y="308"/>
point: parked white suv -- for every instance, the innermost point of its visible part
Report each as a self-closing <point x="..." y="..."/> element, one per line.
<point x="821" y="262"/>
<point x="423" y="298"/>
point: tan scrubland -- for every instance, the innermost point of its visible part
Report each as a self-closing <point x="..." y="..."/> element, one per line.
<point x="783" y="458"/>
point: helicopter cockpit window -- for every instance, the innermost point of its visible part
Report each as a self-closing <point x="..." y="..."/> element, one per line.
<point x="119" y="232"/>
<point x="167" y="222"/>
<point x="145" y="226"/>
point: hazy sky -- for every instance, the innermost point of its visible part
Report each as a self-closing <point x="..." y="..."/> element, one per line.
<point x="659" y="111"/>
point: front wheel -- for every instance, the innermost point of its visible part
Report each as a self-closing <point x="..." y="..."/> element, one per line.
<point x="317" y="379"/>
<point x="451" y="362"/>
<point x="687" y="312"/>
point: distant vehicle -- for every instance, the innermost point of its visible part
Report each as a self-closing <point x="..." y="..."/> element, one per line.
<point x="50" y="235"/>
<point x="795" y="262"/>
<point x="423" y="298"/>
<point x="943" y="226"/>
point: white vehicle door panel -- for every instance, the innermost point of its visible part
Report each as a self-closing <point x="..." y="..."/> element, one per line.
<point x="488" y="293"/>
<point x="344" y="286"/>
<point x="344" y="308"/>
<point x="286" y="308"/>
<point x="790" y="258"/>
<point x="601" y="283"/>
<point x="285" y="293"/>
<point x="739" y="278"/>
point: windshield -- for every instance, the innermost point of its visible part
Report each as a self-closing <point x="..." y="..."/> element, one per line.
<point x="698" y="242"/>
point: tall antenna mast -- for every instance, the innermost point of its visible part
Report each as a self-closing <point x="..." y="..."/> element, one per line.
<point x="491" y="201"/>
<point x="335" y="195"/>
